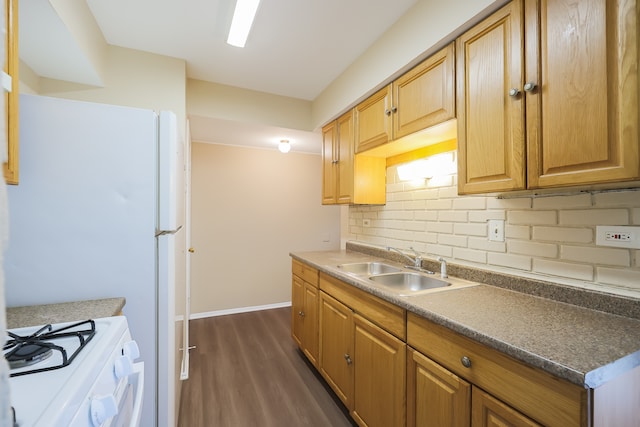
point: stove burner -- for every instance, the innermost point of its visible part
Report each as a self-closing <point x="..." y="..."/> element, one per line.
<point x="28" y="350"/>
<point x="28" y="355"/>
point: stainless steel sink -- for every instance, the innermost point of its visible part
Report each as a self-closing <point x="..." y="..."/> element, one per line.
<point x="368" y="268"/>
<point x="407" y="283"/>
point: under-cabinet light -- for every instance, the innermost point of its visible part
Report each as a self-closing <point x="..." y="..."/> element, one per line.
<point x="434" y="166"/>
<point x="242" y="22"/>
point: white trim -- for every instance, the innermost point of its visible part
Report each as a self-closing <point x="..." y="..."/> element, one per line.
<point x="239" y="310"/>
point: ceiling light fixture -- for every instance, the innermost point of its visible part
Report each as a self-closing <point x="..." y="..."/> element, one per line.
<point x="284" y="146"/>
<point x="242" y="21"/>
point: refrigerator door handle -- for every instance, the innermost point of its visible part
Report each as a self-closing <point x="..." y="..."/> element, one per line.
<point x="165" y="232"/>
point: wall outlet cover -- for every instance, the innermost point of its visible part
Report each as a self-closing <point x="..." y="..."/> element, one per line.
<point x="496" y="230"/>
<point x="618" y="236"/>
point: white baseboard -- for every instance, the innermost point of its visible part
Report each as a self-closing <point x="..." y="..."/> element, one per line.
<point x="238" y="310"/>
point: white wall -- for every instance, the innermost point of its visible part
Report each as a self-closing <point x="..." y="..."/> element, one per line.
<point x="250" y="209"/>
<point x="546" y="237"/>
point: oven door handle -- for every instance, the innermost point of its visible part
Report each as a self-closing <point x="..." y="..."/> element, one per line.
<point x="137" y="378"/>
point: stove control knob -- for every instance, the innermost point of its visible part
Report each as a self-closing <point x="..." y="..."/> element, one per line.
<point x="123" y="367"/>
<point x="103" y="408"/>
<point x="131" y="350"/>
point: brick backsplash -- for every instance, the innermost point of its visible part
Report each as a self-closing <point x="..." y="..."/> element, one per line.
<point x="551" y="236"/>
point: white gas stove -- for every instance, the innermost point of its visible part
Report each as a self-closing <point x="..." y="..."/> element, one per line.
<point x="83" y="375"/>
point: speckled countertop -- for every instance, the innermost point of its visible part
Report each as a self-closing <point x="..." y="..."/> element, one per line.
<point x="34" y="315"/>
<point x="583" y="345"/>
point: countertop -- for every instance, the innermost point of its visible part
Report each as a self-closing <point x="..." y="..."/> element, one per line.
<point x="34" y="315"/>
<point x="584" y="346"/>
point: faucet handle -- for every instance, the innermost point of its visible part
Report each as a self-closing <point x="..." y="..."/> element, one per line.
<point x="418" y="258"/>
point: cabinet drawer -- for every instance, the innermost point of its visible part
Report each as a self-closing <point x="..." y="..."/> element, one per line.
<point x="384" y="314"/>
<point x="539" y="395"/>
<point x="305" y="272"/>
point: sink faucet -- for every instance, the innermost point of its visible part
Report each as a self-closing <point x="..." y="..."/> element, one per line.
<point x="443" y="267"/>
<point x="417" y="261"/>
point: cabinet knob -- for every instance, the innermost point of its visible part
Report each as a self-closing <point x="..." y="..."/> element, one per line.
<point x="335" y="162"/>
<point x="394" y="109"/>
<point x="466" y="362"/>
<point x="301" y="313"/>
<point x="513" y="92"/>
<point x="387" y="112"/>
<point x="191" y="250"/>
<point x="529" y="87"/>
<point x="348" y="359"/>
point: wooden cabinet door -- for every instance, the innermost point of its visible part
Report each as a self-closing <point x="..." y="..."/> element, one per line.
<point x="380" y="367"/>
<point x="344" y="149"/>
<point x="373" y="119"/>
<point x="297" y="310"/>
<point x="329" y="171"/>
<point x="11" y="99"/>
<point x="582" y="115"/>
<point x="424" y="96"/>
<point x="489" y="63"/>
<point x="488" y="411"/>
<point x="336" y="347"/>
<point x="310" y="325"/>
<point x="436" y="397"/>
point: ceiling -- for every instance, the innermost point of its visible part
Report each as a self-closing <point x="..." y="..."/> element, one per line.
<point x="296" y="48"/>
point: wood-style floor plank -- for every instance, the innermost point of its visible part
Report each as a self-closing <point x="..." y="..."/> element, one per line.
<point x="247" y="371"/>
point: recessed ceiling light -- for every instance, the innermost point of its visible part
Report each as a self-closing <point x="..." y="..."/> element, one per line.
<point x="242" y="22"/>
<point x="284" y="146"/>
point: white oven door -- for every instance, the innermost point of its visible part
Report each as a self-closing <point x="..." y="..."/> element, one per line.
<point x="129" y="400"/>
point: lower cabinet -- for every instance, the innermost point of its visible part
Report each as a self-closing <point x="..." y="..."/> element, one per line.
<point x="364" y="364"/>
<point x="504" y="392"/>
<point x="487" y="411"/>
<point x="391" y="368"/>
<point x="336" y="347"/>
<point x="379" y="376"/>
<point x="436" y="397"/>
<point x="304" y="310"/>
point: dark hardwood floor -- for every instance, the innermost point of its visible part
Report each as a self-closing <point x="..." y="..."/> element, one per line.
<point x="247" y="371"/>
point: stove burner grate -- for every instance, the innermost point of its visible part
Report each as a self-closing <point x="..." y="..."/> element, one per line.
<point x="28" y="350"/>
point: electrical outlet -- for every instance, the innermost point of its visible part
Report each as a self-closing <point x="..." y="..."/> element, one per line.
<point x="366" y="222"/>
<point x="496" y="230"/>
<point x="618" y="236"/>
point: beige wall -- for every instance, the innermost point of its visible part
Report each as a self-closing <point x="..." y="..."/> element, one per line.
<point x="231" y="103"/>
<point x="250" y="209"/>
<point x="131" y="78"/>
<point x="552" y="238"/>
<point x="427" y="26"/>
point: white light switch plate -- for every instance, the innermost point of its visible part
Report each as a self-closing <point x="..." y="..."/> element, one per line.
<point x="618" y="236"/>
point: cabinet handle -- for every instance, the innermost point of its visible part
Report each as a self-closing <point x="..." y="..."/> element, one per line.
<point x="387" y="112"/>
<point x="529" y="87"/>
<point x="466" y="362"/>
<point x="348" y="359"/>
<point x="394" y="109"/>
<point x="301" y="313"/>
<point x="513" y="92"/>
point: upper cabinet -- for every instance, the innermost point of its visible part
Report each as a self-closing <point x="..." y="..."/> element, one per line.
<point x="421" y="98"/>
<point x="547" y="96"/>
<point x="10" y="167"/>
<point x="337" y="161"/>
<point x="346" y="178"/>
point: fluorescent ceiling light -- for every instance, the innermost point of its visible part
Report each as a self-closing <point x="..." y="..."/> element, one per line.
<point x="242" y="21"/>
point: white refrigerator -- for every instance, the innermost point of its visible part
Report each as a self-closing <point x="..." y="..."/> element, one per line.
<point x="95" y="216"/>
